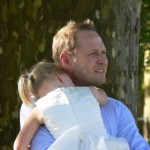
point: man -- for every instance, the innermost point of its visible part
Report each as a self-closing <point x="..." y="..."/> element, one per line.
<point x="79" y="49"/>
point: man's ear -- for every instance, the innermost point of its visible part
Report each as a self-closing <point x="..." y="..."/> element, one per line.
<point x="64" y="58"/>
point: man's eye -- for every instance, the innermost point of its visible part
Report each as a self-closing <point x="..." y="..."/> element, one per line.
<point x="94" y="53"/>
<point x="104" y="52"/>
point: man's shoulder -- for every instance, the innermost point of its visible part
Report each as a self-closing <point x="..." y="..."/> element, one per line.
<point x="114" y="111"/>
<point x="113" y="101"/>
<point x="114" y="104"/>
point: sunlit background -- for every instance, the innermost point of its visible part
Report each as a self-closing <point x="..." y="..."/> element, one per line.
<point x="144" y="70"/>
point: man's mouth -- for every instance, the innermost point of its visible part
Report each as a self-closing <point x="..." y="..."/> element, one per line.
<point x="99" y="70"/>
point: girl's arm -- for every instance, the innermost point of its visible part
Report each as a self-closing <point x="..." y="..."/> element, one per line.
<point x="99" y="94"/>
<point x="31" y="125"/>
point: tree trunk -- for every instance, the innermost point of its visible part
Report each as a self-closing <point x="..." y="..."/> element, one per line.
<point x="21" y="43"/>
<point x="120" y="24"/>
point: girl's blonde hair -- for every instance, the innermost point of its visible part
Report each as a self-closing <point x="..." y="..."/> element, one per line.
<point x="30" y="82"/>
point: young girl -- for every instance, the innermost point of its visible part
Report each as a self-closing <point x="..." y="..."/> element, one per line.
<point x="71" y="114"/>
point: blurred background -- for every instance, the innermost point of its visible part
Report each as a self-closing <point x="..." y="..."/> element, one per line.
<point x="144" y="72"/>
<point x="26" y="32"/>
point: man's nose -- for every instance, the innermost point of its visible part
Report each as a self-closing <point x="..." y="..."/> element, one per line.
<point x="102" y="59"/>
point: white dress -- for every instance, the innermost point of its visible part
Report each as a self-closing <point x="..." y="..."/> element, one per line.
<point x="72" y="115"/>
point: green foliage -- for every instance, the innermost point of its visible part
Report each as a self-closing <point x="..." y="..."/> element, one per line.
<point x="145" y="33"/>
<point x="144" y="43"/>
<point x="144" y="46"/>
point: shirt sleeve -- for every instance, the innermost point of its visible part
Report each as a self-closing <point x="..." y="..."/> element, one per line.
<point x="42" y="140"/>
<point x="127" y="128"/>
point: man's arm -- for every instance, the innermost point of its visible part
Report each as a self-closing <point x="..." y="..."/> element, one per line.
<point x="120" y="123"/>
<point x="127" y="128"/>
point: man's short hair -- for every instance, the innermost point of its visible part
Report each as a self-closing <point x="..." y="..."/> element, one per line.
<point x="65" y="39"/>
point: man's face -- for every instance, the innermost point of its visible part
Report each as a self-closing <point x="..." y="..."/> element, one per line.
<point x="88" y="64"/>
